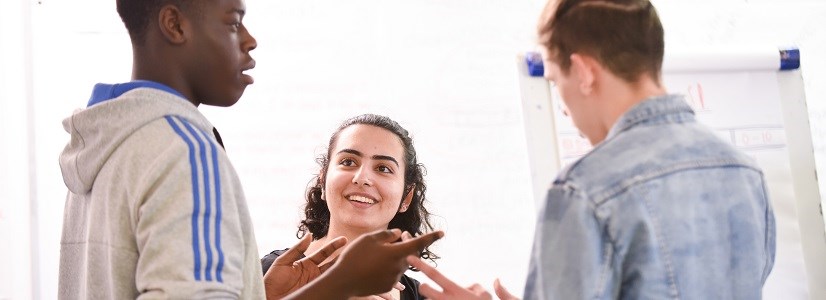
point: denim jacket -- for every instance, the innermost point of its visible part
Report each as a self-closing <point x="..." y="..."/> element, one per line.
<point x="662" y="209"/>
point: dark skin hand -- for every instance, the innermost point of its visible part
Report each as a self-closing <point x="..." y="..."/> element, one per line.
<point x="289" y="272"/>
<point x="371" y="265"/>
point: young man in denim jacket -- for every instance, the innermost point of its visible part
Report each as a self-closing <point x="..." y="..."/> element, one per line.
<point x="661" y="208"/>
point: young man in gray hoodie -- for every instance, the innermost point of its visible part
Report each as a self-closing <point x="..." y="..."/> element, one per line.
<point x="155" y="208"/>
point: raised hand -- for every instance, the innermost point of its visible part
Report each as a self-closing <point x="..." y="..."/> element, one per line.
<point x="501" y="292"/>
<point x="450" y="290"/>
<point x="289" y="272"/>
<point x="377" y="262"/>
<point x="371" y="265"/>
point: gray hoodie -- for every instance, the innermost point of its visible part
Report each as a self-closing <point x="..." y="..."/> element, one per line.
<point x="154" y="209"/>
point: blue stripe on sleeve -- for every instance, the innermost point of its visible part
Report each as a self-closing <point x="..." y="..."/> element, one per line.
<point x="217" y="181"/>
<point x="196" y="252"/>
<point x="207" y="198"/>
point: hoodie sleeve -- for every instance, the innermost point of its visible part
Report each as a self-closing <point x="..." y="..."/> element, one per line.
<point x="192" y="226"/>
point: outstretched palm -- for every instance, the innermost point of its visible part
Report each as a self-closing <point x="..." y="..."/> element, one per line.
<point x="290" y="272"/>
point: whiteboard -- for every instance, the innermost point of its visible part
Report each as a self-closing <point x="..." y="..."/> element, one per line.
<point x="747" y="101"/>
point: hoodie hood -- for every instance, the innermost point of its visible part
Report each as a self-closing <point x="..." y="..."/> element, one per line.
<point x="114" y="113"/>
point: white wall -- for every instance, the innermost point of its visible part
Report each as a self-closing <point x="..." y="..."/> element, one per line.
<point x="443" y="69"/>
<point x="16" y="259"/>
<point x="75" y="44"/>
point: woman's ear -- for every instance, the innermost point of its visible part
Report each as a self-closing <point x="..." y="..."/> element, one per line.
<point x="408" y="198"/>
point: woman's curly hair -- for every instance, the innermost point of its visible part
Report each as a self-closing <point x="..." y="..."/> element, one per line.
<point x="415" y="220"/>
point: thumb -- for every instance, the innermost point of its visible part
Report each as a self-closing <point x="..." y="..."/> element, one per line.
<point x="501" y="292"/>
<point x="295" y="252"/>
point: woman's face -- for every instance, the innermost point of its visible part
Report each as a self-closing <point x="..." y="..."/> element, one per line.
<point x="364" y="183"/>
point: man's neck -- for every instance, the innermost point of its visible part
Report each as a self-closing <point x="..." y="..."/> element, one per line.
<point x="618" y="96"/>
<point x="161" y="68"/>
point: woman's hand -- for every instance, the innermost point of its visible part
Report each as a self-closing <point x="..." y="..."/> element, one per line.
<point x="451" y="290"/>
<point x="289" y="272"/>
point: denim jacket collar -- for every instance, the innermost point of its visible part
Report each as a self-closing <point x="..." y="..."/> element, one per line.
<point x="653" y="108"/>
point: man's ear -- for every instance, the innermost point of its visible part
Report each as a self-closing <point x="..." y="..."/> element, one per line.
<point x="171" y="22"/>
<point x="407" y="199"/>
<point x="585" y="69"/>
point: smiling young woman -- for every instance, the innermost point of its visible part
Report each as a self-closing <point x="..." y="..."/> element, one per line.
<point x="369" y="180"/>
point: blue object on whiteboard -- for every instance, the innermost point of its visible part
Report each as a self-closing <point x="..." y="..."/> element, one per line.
<point x="534" y="61"/>
<point x="789" y="59"/>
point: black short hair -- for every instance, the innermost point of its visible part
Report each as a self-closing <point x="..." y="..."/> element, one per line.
<point x="137" y="14"/>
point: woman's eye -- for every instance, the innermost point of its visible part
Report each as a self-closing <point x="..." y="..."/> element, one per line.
<point x="384" y="169"/>
<point x="347" y="162"/>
